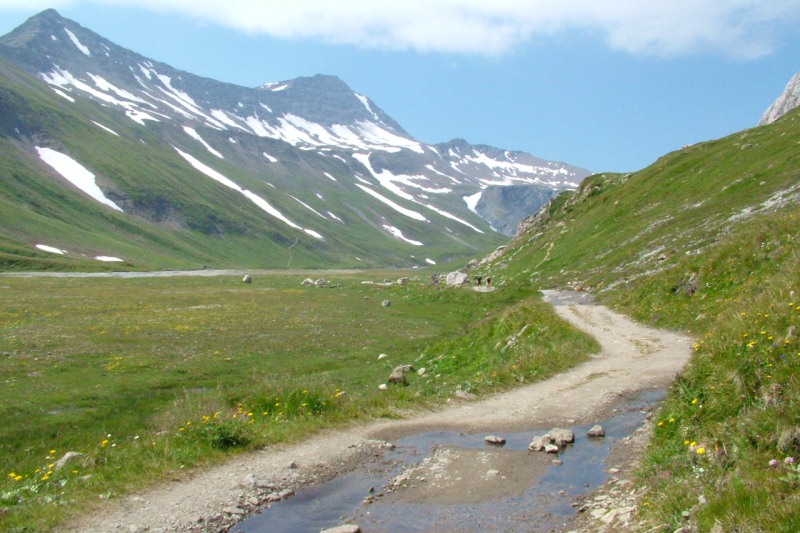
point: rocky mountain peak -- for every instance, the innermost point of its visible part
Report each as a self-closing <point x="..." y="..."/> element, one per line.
<point x="785" y="102"/>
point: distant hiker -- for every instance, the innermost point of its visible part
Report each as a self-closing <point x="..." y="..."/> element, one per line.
<point x="479" y="279"/>
<point x="488" y="282"/>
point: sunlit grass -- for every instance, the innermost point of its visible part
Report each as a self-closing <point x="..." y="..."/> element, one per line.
<point x="146" y="377"/>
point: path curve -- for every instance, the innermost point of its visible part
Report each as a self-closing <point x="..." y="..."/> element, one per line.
<point x="632" y="358"/>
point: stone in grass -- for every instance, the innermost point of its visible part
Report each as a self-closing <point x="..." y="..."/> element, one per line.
<point x="69" y="456"/>
<point x="464" y="395"/>
<point x="493" y="439"/>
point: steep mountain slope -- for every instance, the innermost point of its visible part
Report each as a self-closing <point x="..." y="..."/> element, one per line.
<point x="615" y="229"/>
<point x="704" y="240"/>
<point x="120" y="156"/>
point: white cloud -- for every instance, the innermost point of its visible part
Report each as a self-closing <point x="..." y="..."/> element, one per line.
<point x="736" y="28"/>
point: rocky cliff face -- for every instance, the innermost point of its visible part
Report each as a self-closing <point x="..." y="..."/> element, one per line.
<point x="785" y="102"/>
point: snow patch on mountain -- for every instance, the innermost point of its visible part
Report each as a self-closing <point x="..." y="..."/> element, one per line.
<point x="76" y="174"/>
<point x="472" y="201"/>
<point x="400" y="209"/>
<point x="301" y="202"/>
<point x="451" y="178"/>
<point x="399" y="234"/>
<point x="76" y="42"/>
<point x="260" y="202"/>
<point x="50" y="249"/>
<point x="389" y="181"/>
<point x="365" y="101"/>
<point x="140" y="116"/>
<point x="106" y="86"/>
<point x="63" y="94"/>
<point x="196" y="136"/>
<point x="109" y="130"/>
<point x="450" y="216"/>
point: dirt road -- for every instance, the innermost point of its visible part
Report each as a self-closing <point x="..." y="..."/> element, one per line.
<point x="632" y="358"/>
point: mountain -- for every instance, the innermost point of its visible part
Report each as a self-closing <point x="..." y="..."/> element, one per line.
<point x="119" y="156"/>
<point x="703" y="241"/>
<point x="788" y="100"/>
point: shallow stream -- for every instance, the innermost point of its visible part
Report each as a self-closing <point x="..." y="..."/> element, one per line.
<point x="546" y="504"/>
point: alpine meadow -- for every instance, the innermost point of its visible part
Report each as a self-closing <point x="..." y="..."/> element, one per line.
<point x="134" y="352"/>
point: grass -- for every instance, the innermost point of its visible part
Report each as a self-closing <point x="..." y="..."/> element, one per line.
<point x="149" y="376"/>
<point x="703" y="241"/>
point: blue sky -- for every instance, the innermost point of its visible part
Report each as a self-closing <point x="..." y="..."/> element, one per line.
<point x="609" y="86"/>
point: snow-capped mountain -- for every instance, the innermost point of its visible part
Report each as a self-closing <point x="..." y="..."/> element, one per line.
<point x="308" y="160"/>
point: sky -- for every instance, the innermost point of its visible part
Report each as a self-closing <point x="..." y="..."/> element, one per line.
<point x="607" y="85"/>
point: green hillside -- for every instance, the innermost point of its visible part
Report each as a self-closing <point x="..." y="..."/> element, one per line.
<point x="175" y="216"/>
<point x="705" y="241"/>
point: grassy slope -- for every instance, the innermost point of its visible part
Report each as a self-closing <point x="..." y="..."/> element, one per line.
<point x="148" y="376"/>
<point x="726" y="211"/>
<point x="175" y="216"/>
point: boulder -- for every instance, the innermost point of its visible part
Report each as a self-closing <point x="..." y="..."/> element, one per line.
<point x="320" y="283"/>
<point x="455" y="279"/>
<point x="561" y="437"/>
<point x="308" y="282"/>
<point x="596" y="431"/>
<point x="493" y="439"/>
<point x="537" y="444"/>
<point x="247" y="279"/>
<point x="386" y="303"/>
<point x="403" y="281"/>
<point x="551" y="448"/>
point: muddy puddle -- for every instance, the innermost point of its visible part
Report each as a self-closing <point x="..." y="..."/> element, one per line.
<point x="447" y="481"/>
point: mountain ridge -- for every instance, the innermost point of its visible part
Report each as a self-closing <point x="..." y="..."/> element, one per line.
<point x="309" y="154"/>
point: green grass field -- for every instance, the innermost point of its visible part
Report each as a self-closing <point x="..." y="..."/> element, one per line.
<point x="148" y="376"/>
